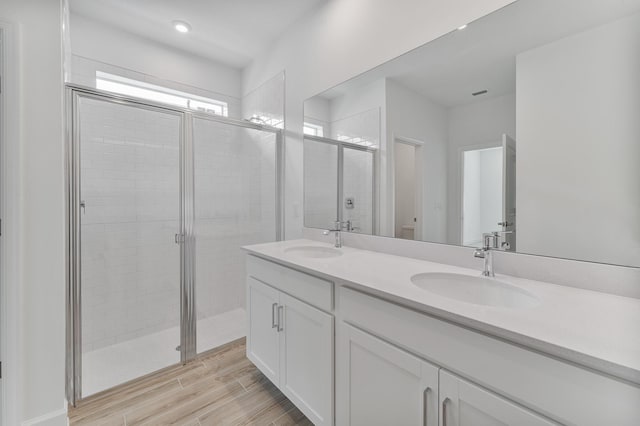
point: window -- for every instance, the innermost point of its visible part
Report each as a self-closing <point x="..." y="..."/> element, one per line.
<point x="140" y="89"/>
<point x="356" y="140"/>
<point x="278" y="123"/>
<point x="312" y="129"/>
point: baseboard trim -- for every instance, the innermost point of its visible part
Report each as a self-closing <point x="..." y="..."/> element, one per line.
<point x="54" y="418"/>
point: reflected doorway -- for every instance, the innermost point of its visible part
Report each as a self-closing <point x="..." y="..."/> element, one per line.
<point x="408" y="184"/>
<point x="488" y="193"/>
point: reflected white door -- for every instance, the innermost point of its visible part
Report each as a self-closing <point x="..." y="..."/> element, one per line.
<point x="482" y="189"/>
<point x="407" y="194"/>
<point x="508" y="222"/>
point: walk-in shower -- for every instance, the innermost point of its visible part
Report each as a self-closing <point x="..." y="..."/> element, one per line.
<point x="160" y="200"/>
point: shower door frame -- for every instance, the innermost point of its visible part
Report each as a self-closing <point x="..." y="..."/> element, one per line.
<point x="185" y="236"/>
<point x="341" y="146"/>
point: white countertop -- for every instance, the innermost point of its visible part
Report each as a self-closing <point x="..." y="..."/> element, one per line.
<point x="596" y="330"/>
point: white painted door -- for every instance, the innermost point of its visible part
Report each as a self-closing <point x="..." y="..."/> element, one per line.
<point x="306" y="359"/>
<point x="388" y="386"/>
<point x="262" y="335"/>
<point x="465" y="404"/>
<point x="509" y="191"/>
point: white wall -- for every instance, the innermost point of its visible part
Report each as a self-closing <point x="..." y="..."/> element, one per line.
<point x="410" y="115"/>
<point x="100" y="42"/>
<point x="343" y="39"/>
<point x="480" y="124"/>
<point x="578" y="133"/>
<point x="42" y="287"/>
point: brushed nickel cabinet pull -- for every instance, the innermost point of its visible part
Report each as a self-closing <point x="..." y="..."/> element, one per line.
<point x="426" y="408"/>
<point x="444" y="411"/>
<point x="280" y="319"/>
<point x="274" y="324"/>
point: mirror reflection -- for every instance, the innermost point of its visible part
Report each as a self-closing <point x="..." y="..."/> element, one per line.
<point x="523" y="124"/>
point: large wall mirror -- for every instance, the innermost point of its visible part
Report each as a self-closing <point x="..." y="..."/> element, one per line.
<point x="525" y="122"/>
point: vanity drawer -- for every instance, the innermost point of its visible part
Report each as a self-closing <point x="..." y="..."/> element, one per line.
<point x="560" y="390"/>
<point x="308" y="288"/>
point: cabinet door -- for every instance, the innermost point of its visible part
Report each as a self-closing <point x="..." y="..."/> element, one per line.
<point x="262" y="335"/>
<point x="388" y="386"/>
<point x="465" y="404"/>
<point x="306" y="359"/>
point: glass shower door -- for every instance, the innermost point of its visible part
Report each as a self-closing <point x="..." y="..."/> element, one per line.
<point x="129" y="179"/>
<point x="235" y="204"/>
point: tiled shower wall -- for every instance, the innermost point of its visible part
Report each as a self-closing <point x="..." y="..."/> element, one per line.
<point x="130" y="185"/>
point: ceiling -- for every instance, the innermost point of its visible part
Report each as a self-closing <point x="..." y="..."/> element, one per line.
<point x="232" y="32"/>
<point x="483" y="55"/>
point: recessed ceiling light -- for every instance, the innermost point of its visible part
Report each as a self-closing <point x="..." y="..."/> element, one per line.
<point x="181" y="26"/>
<point x="462" y="27"/>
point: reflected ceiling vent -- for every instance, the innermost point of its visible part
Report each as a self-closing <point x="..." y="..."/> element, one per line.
<point x="482" y="92"/>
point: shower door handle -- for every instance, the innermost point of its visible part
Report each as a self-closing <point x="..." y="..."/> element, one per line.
<point x="178" y="238"/>
<point x="83" y="206"/>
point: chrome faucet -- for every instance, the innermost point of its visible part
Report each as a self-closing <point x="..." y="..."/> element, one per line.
<point x="490" y="242"/>
<point x="337" y="229"/>
<point x="486" y="253"/>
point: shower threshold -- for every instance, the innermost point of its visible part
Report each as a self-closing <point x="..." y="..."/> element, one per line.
<point x="112" y="365"/>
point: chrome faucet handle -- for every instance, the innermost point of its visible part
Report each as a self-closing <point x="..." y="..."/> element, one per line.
<point x="479" y="253"/>
<point x="486" y="238"/>
<point x="337" y="231"/>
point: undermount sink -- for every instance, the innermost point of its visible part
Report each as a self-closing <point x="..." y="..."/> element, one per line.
<point x="476" y="290"/>
<point x="314" y="252"/>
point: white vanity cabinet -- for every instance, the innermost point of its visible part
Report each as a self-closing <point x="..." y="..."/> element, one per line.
<point x="398" y="364"/>
<point x="385" y="385"/>
<point x="291" y="333"/>
<point x="495" y="382"/>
